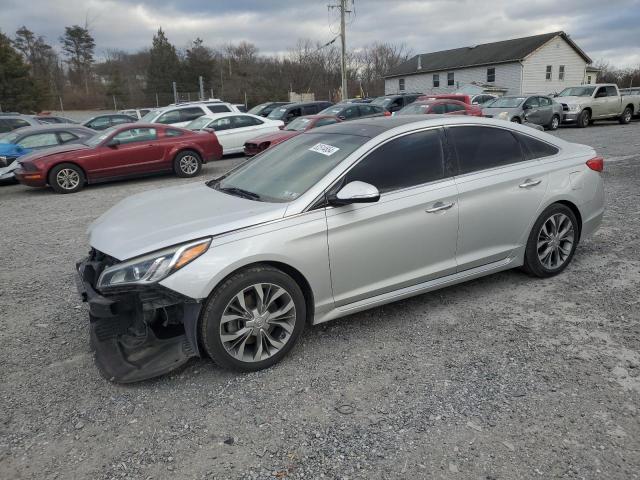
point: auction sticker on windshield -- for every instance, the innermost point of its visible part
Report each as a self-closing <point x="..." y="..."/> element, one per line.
<point x="324" y="149"/>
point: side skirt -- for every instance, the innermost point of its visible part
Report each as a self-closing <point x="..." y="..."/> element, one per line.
<point x="418" y="289"/>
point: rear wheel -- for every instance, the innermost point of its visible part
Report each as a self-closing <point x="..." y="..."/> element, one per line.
<point x="552" y="242"/>
<point x="187" y="164"/>
<point x="626" y="116"/>
<point x="555" y="122"/>
<point x="584" y="119"/>
<point x="66" y="178"/>
<point x="253" y="319"/>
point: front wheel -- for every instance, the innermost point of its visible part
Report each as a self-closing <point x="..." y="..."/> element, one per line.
<point x="187" y="164"/>
<point x="584" y="119"/>
<point x="253" y="319"/>
<point x="66" y="178"/>
<point x="552" y="242"/>
<point x="555" y="123"/>
<point x="626" y="116"/>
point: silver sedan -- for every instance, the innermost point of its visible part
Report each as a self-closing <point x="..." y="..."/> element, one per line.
<point x="536" y="109"/>
<point x="334" y="221"/>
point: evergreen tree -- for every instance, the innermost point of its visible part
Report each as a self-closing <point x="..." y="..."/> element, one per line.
<point x="18" y="91"/>
<point x="78" y="45"/>
<point x="164" y="65"/>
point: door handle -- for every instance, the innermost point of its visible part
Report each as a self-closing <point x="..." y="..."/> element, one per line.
<point x="530" y="183"/>
<point x="438" y="207"/>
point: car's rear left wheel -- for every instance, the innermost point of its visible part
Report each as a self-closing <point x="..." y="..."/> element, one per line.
<point x="626" y="116"/>
<point x="555" y="122"/>
<point x="66" y="178"/>
<point x="253" y="319"/>
<point x="552" y="241"/>
<point x="187" y="164"/>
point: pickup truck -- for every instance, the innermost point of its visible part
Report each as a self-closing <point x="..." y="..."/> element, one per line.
<point x="584" y="104"/>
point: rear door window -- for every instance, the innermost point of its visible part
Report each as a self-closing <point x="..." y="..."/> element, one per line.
<point x="66" y="137"/>
<point x="218" y="108"/>
<point x="480" y="148"/>
<point x="404" y="162"/>
<point x="39" y="140"/>
<point x="309" y="109"/>
<point x="188" y="114"/>
<point x="172" y="116"/>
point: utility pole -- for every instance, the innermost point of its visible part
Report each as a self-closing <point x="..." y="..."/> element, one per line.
<point x="201" y="82"/>
<point x="343" y="56"/>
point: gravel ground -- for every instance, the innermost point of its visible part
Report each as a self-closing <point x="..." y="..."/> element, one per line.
<point x="504" y="377"/>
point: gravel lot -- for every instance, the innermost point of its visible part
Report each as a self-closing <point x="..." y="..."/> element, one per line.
<point x="504" y="377"/>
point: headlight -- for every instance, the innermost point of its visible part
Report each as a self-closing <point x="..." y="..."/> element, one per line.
<point x="574" y="108"/>
<point x="153" y="267"/>
<point x="503" y="116"/>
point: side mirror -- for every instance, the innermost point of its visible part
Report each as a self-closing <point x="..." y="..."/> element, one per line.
<point x="114" y="142"/>
<point x="355" y="192"/>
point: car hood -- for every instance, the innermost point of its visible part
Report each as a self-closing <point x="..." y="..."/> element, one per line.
<point x="275" y="136"/>
<point x="160" y="218"/>
<point x="12" y="150"/>
<point x="571" y="100"/>
<point x="47" y="152"/>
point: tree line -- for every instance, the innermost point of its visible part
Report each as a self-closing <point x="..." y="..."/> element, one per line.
<point x="34" y="76"/>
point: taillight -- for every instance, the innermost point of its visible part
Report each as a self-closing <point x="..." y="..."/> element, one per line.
<point x="596" y="164"/>
<point x="387" y="114"/>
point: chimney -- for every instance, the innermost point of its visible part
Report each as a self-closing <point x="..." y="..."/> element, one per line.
<point x="419" y="62"/>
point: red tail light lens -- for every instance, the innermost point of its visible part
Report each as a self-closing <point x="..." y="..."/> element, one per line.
<point x="596" y="164"/>
<point x="387" y="114"/>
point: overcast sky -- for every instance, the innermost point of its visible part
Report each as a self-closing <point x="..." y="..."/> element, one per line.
<point x="604" y="29"/>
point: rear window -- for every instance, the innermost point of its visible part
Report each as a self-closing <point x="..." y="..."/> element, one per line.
<point x="481" y="148"/>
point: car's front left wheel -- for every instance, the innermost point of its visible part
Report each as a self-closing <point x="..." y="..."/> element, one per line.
<point x="253" y="319"/>
<point x="66" y="178"/>
<point x="187" y="164"/>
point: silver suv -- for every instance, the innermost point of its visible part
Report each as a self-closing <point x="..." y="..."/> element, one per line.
<point x="180" y="115"/>
<point x="337" y="220"/>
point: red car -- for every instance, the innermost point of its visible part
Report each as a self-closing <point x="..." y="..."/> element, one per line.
<point x="451" y="107"/>
<point x="129" y="150"/>
<point x="296" y="127"/>
<point x="461" y="97"/>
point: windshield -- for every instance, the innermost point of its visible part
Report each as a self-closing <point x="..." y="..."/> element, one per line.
<point x="506" y="102"/>
<point x="414" y="109"/>
<point x="9" y="138"/>
<point x="150" y="116"/>
<point x="277" y="113"/>
<point x="382" y="101"/>
<point x="577" y="92"/>
<point x="98" y="137"/>
<point x="287" y="170"/>
<point x="299" y="124"/>
<point x="257" y="109"/>
<point x="198" y="123"/>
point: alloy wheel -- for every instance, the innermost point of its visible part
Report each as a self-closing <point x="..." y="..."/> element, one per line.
<point x="189" y="164"/>
<point x="68" y="179"/>
<point x="555" y="123"/>
<point x="555" y="241"/>
<point x="258" y="322"/>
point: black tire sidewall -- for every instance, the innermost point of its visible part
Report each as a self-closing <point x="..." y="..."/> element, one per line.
<point x="581" y="119"/>
<point x="222" y="295"/>
<point x="551" y="127"/>
<point x="53" y="173"/>
<point x="532" y="263"/>
<point x="176" y="164"/>
<point x="623" y="118"/>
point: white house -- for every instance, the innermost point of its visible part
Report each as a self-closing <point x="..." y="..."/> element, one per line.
<point x="539" y="64"/>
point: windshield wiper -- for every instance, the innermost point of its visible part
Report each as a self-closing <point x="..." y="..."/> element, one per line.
<point x="240" y="192"/>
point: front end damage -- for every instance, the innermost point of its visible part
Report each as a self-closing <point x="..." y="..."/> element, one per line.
<point x="137" y="332"/>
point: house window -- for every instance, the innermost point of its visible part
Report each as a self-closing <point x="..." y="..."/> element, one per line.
<point x="491" y="75"/>
<point x="401" y="84"/>
<point x="548" y="72"/>
<point x="450" y="79"/>
<point x="561" y="72"/>
<point x="589" y="79"/>
<point x="436" y="80"/>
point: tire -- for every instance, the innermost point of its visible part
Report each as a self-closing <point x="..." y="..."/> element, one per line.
<point x="626" y="116"/>
<point x="242" y="351"/>
<point x="543" y="238"/>
<point x="555" y="122"/>
<point x="187" y="164"/>
<point x="516" y="120"/>
<point x="66" y="178"/>
<point x="584" y="119"/>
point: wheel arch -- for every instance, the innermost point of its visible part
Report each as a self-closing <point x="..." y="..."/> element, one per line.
<point x="576" y="211"/>
<point x="177" y="150"/>
<point x="630" y="106"/>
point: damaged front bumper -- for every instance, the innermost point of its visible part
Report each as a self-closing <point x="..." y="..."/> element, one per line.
<point x="137" y="333"/>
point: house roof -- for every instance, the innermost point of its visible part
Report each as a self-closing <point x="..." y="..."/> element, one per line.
<point x="592" y="69"/>
<point x="505" y="51"/>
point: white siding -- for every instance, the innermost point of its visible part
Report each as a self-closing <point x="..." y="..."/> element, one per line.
<point x="507" y="76"/>
<point x="556" y="52"/>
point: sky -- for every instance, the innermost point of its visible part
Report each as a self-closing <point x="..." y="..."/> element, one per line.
<point x="605" y="30"/>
